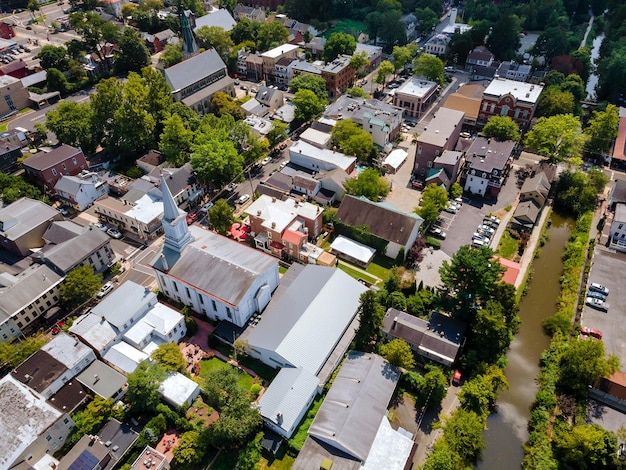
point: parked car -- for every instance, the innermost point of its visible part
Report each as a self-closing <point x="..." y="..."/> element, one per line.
<point x="597" y="304"/>
<point x="493" y="219"/>
<point x="64" y="212"/>
<point x="231" y="187"/>
<point x="456" y="378"/>
<point x="586" y="331"/>
<point x="599" y="288"/>
<point x="283" y="164"/>
<point x="108" y="287"/>
<point x="480" y="236"/>
<point x="490" y="223"/>
<point x="486" y="229"/>
<point x="101" y="226"/>
<point x="204" y="209"/>
<point x="451" y="209"/>
<point x="437" y="233"/>
<point x="191" y="217"/>
<point x="479" y="243"/>
<point x="596" y="295"/>
<point x="114" y="233"/>
<point x="266" y="160"/>
<point x="243" y="198"/>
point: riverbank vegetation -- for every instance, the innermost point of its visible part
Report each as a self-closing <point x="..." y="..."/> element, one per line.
<point x="558" y="433"/>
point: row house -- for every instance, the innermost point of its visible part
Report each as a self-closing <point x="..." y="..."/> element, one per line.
<point x="250" y="13"/>
<point x="415" y="96"/>
<point x="374" y="56"/>
<point x="283" y="228"/>
<point x="339" y="76"/>
<point x="46" y="168"/>
<point x="504" y="97"/>
<point x="487" y="164"/>
<point x="271" y="57"/>
<point x="82" y="190"/>
<point x="441" y="134"/>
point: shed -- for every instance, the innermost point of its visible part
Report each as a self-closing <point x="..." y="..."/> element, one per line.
<point x="178" y="390"/>
<point x="395" y="160"/>
<point x="352" y="251"/>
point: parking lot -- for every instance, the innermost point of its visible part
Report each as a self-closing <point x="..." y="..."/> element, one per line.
<point x="604" y="270"/>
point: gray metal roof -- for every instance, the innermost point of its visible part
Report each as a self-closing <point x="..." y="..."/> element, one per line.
<point x="217" y="265"/>
<point x="305" y="323"/>
<point x="102" y="379"/>
<point x="124" y="303"/>
<point x="31" y="284"/>
<point x="208" y="91"/>
<point x="355" y="404"/>
<point x="61" y="231"/>
<point x="67" y="255"/>
<point x="221" y="18"/>
<point x="20" y="217"/>
<point x="68" y="350"/>
<point x="489" y="154"/>
<point x="193" y="70"/>
<point x="287" y="395"/>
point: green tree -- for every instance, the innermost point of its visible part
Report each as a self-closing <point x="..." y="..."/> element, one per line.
<point x="602" y="130"/>
<point x="557" y="138"/>
<point x="278" y="133"/>
<point x="338" y="44"/>
<point x="53" y="57"/>
<point x="222" y="104"/>
<point x="33" y="6"/>
<point x="358" y="92"/>
<point x="554" y="101"/>
<point x="143" y="387"/>
<point x="428" y="211"/>
<point x="159" y="95"/>
<point x="582" y="363"/>
<point x="250" y="456"/>
<point x="504" y="38"/>
<point x="435" y="194"/>
<point x="217" y="38"/>
<point x="189" y="116"/>
<point x="490" y="335"/>
<point x="216" y="161"/>
<point x="56" y="81"/>
<point x="369" y="184"/>
<point x="463" y="433"/>
<point x="132" y="54"/>
<point x="190" y="450"/>
<point x="221" y="216"/>
<point x="307" y="81"/>
<point x="427" y="19"/>
<point x="430" y="67"/>
<point x="96" y="32"/>
<point x="352" y="140"/>
<point x="469" y="280"/>
<point x="385" y="69"/>
<point x="502" y="128"/>
<point x="307" y="104"/>
<point x="176" y="141"/>
<point x="245" y="30"/>
<point x="169" y="357"/>
<point x="227" y="4"/>
<point x="104" y="103"/>
<point x="172" y="54"/>
<point x="443" y="458"/>
<point x="133" y="123"/>
<point x="359" y="60"/>
<point x="371" y="315"/>
<point x="271" y="34"/>
<point x="71" y="122"/>
<point x="401" y="56"/>
<point x="13" y="187"/>
<point x="456" y="190"/>
<point x="577" y="193"/>
<point x="586" y="446"/>
<point x="93" y="417"/>
<point x="13" y="354"/>
<point x="80" y="284"/>
<point x="479" y="394"/>
<point x="398" y="353"/>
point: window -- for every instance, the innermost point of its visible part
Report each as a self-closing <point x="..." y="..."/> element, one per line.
<point x="620" y="226"/>
<point x="20" y="324"/>
<point x="175" y="287"/>
<point x="9" y="101"/>
<point x="504" y="111"/>
<point x="54" y="172"/>
<point x="214" y="306"/>
<point x="74" y="160"/>
<point x="63" y="165"/>
<point x="187" y="291"/>
<point x="201" y="300"/>
<point x="27" y="319"/>
<point x="229" y="313"/>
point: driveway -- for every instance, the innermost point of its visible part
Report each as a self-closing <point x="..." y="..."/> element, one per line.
<point x="605" y="264"/>
<point x="402" y="196"/>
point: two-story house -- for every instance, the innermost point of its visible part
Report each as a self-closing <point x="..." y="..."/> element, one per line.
<point x="46" y="168"/>
<point x="15" y="95"/>
<point x="313" y="158"/>
<point x="415" y="96"/>
<point x="532" y="198"/>
<point x="480" y="56"/>
<point x="283" y="228"/>
<point x="504" y="97"/>
<point x="271" y="57"/>
<point x="617" y="236"/>
<point x="82" y="190"/>
<point x="437" y="45"/>
<point x="442" y="133"/>
<point x="250" y="13"/>
<point x="487" y="164"/>
<point x="194" y="81"/>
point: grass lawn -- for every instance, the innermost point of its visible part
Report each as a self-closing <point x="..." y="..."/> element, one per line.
<point x="282" y="269"/>
<point x="4" y="127"/>
<point x="245" y="380"/>
<point x="346" y="26"/>
<point x="264" y="371"/>
<point x="356" y="274"/>
<point x="280" y="461"/>
<point x="298" y="438"/>
<point x="380" y="266"/>
<point x="508" y="246"/>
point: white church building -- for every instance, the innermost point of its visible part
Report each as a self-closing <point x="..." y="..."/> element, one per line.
<point x="214" y="275"/>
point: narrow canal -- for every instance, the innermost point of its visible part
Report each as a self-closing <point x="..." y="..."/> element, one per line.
<point x="507" y="433"/>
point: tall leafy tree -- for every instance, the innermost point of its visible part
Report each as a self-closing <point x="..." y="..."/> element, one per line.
<point x="463" y="433"/>
<point x="169" y="357"/>
<point x="430" y="67"/>
<point x="80" y="284"/>
<point x="435" y="194"/>
<point x="582" y="363"/>
<point x="307" y="81"/>
<point x="190" y="449"/>
<point x="278" y="133"/>
<point x="398" y="353"/>
<point x="56" y="81"/>
<point x="271" y="34"/>
<point x="586" y="446"/>
<point x="71" y="122"/>
<point x="223" y="104"/>
<point x="352" y="140"/>
<point x="502" y="128"/>
<point x="132" y="54"/>
<point x="221" y="216"/>
<point x="245" y="30"/>
<point x="159" y="94"/>
<point x="337" y="44"/>
<point x="359" y="60"/>
<point x="216" y="161"/>
<point x="217" y="38"/>
<point x="143" y="386"/>
<point x="469" y="281"/>
<point x="53" y="57"/>
<point x="95" y="32"/>
<point x="104" y="103"/>
<point x="504" y="40"/>
<point x="371" y="315"/>
<point x="557" y="138"/>
<point x="176" y="140"/>
<point x="369" y="184"/>
<point x="401" y="56"/>
<point x="385" y="69"/>
<point x="171" y="55"/>
<point x="554" y="101"/>
<point x="602" y="130"/>
<point x="307" y="104"/>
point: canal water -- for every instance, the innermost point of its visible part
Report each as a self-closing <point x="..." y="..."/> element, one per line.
<point x="507" y="426"/>
<point x="593" y="78"/>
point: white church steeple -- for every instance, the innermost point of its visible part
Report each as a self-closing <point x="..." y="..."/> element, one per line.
<point x="174" y="221"/>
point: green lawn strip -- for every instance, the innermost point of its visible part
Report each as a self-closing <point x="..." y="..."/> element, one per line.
<point x="297" y="440"/>
<point x="508" y="246"/>
<point x="281" y="461"/>
<point x="282" y="269"/>
<point x="356" y="274"/>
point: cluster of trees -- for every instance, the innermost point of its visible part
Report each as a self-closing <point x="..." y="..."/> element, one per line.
<point x="310" y="96"/>
<point x="368" y="183"/>
<point x="352" y="140"/>
<point x="562" y="95"/>
<point x="612" y="63"/>
<point x="502" y="128"/>
<point x="14" y="187"/>
<point x="577" y="191"/>
<point x="434" y="200"/>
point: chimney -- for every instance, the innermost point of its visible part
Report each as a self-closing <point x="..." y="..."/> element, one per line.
<point x="164" y="261"/>
<point x="395" y="321"/>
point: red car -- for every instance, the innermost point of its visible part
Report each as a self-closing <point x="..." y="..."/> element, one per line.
<point x="192" y="217"/>
<point x="586" y="331"/>
<point x="456" y="378"/>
